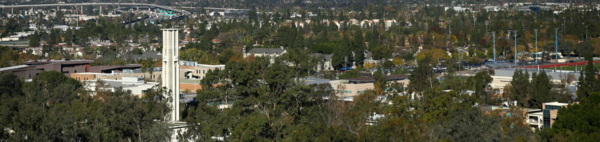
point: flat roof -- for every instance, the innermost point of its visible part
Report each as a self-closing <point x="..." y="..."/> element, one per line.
<point x="13" y="67"/>
<point x="125" y="84"/>
<point x="212" y="66"/>
<point x="66" y="62"/>
<point x="556" y="104"/>
<point x="536" y="114"/>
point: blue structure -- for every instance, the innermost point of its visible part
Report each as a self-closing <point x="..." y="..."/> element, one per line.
<point x="348" y="68"/>
<point x="494" y="37"/>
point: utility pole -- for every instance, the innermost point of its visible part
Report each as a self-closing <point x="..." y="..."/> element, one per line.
<point x="536" y="49"/>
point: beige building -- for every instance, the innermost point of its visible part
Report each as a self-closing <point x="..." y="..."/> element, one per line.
<point x="193" y="70"/>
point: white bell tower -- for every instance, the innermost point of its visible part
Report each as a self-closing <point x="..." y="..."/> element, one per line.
<point x="170" y="69"/>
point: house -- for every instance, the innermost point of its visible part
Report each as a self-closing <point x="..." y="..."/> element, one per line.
<point x="324" y="63"/>
<point x="266" y="52"/>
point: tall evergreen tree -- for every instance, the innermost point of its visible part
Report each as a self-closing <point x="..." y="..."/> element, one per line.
<point x="588" y="80"/>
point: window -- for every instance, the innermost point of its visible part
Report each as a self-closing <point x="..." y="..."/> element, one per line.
<point x="75" y="71"/>
<point x="546" y="119"/>
<point x="203" y="71"/>
<point x="552" y="107"/>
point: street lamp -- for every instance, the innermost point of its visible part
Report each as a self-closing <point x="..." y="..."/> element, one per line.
<point x="586" y="31"/>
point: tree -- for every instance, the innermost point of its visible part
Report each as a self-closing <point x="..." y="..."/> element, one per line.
<point x="137" y="51"/>
<point x="588" y="81"/>
<point x="481" y="84"/>
<point x="584" y="48"/>
<point x="338" y="59"/>
<point x="423" y="77"/>
<point x="226" y="55"/>
<point x="541" y="85"/>
<point x="575" y="122"/>
<point x="381" y="52"/>
<point x="34" y="40"/>
<point x="520" y="88"/>
<point x="566" y="47"/>
<point x="69" y="37"/>
<point x="380" y="82"/>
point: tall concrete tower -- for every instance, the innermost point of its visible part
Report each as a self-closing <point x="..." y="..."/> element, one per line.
<point x="170" y="68"/>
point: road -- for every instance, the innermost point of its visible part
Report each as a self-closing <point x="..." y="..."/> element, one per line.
<point x="98" y="4"/>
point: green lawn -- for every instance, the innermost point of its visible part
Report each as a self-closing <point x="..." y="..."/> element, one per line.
<point x="572" y="68"/>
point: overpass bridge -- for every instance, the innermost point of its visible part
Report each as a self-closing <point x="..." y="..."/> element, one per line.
<point x="183" y="12"/>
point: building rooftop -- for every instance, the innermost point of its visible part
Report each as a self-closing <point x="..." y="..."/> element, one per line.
<point x="325" y="56"/>
<point x="146" y="55"/>
<point x="371" y="79"/>
<point x="13" y="67"/>
<point x="66" y="62"/>
<point x="266" y="50"/>
<point x="556" y="104"/>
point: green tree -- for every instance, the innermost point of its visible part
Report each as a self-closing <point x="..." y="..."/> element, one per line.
<point x="481" y="84"/>
<point x="34" y="40"/>
<point x="584" y="48"/>
<point x="226" y="55"/>
<point x="541" y="85"/>
<point x="69" y="37"/>
<point x="137" y="51"/>
<point x="520" y="88"/>
<point x="381" y="52"/>
<point x="575" y="122"/>
<point x="423" y="77"/>
<point x="588" y="82"/>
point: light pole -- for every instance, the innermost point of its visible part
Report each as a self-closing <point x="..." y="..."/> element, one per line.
<point x="556" y="44"/>
<point x="564" y="26"/>
<point x="586" y="33"/>
<point x="515" y="47"/>
<point x="494" y="39"/>
<point x="449" y="32"/>
<point x="536" y="49"/>
<point x="486" y="25"/>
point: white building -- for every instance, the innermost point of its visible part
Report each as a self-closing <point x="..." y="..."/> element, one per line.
<point x="266" y="52"/>
<point x="136" y="85"/>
